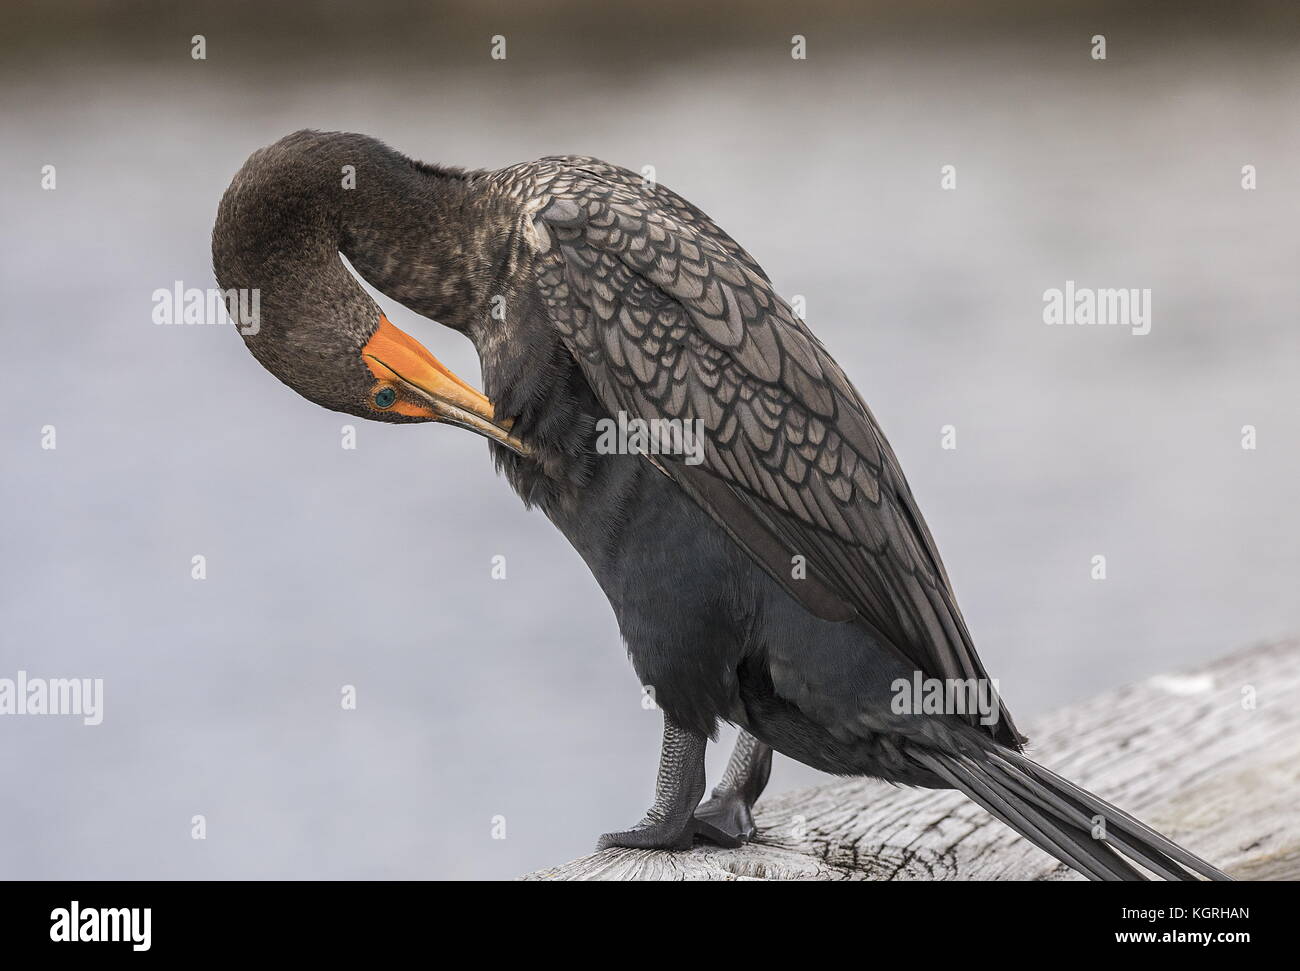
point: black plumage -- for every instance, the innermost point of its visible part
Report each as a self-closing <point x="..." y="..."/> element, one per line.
<point x="589" y="292"/>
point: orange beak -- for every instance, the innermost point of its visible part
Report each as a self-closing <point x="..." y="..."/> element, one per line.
<point x="398" y="360"/>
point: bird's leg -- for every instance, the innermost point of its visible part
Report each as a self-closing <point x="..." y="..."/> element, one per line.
<point x="670" y="823"/>
<point x="725" y="818"/>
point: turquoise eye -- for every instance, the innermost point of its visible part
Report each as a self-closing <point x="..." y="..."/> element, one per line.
<point x="385" y="397"/>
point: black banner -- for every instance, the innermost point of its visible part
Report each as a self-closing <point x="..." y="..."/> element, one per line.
<point x="143" y="920"/>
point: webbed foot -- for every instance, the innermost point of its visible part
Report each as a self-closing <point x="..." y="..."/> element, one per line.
<point x="669" y="825"/>
<point x="725" y="819"/>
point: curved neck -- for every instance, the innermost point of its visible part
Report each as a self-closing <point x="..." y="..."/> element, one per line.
<point x="423" y="236"/>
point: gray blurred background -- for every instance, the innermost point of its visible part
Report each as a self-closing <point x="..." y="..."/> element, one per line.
<point x="480" y="698"/>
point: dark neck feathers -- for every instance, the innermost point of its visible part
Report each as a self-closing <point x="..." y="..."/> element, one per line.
<point x="428" y="237"/>
<point x="441" y="241"/>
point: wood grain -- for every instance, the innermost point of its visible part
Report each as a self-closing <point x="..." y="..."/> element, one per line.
<point x="1210" y="758"/>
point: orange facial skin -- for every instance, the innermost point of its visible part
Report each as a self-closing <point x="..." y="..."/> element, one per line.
<point x="426" y="388"/>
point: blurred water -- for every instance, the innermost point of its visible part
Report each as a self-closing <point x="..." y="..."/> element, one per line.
<point x="480" y="698"/>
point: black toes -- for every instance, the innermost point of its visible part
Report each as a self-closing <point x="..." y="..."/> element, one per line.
<point x="659" y="835"/>
<point x="726" y="820"/>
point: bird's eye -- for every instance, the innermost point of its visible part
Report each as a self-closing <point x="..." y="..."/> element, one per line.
<point x="385" y="397"/>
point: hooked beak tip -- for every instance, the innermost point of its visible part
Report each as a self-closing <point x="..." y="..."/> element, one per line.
<point x="393" y="355"/>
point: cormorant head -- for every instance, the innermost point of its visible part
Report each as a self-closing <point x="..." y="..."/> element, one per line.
<point x="315" y="328"/>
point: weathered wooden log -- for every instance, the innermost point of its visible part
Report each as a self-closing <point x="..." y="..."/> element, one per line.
<point x="1210" y="758"/>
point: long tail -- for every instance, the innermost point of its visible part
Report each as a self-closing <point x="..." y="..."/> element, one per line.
<point x="1058" y="817"/>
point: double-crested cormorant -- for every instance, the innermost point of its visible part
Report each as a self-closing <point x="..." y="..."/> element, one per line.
<point x="781" y="579"/>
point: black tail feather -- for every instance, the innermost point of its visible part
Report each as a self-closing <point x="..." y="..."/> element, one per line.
<point x="1058" y="817"/>
<point x="1117" y="819"/>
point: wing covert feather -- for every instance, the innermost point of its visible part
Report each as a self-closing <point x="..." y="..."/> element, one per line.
<point x="669" y="318"/>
